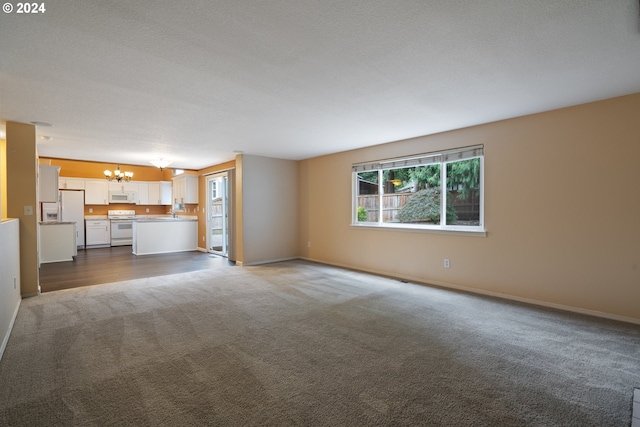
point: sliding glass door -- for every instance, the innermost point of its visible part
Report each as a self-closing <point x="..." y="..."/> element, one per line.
<point x="218" y="214"/>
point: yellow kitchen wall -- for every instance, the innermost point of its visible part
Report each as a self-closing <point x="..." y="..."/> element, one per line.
<point x="561" y="212"/>
<point x="87" y="169"/>
<point x="140" y="209"/>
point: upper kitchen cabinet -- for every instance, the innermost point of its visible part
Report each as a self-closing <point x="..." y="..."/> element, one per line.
<point x="165" y="192"/>
<point x="160" y="193"/>
<point x="185" y="189"/>
<point x="71" y="183"/>
<point x="143" y="194"/>
<point x="96" y="192"/>
<point x="48" y="183"/>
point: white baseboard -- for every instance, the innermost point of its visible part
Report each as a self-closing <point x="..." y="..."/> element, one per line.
<point x="5" y="340"/>
<point x="421" y="281"/>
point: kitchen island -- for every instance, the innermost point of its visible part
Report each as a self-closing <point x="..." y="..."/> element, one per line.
<point x="164" y="235"/>
<point x="57" y="241"/>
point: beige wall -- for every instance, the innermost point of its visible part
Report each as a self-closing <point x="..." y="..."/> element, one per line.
<point x="3" y="178"/>
<point x="237" y="234"/>
<point x="561" y="212"/>
<point x="22" y="190"/>
<point x="269" y="209"/>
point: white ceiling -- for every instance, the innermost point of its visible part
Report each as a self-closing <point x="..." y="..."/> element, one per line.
<point x="127" y="81"/>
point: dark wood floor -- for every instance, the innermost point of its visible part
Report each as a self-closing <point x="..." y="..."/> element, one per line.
<point x="115" y="264"/>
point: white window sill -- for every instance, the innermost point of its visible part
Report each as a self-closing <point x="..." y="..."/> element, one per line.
<point x="461" y="231"/>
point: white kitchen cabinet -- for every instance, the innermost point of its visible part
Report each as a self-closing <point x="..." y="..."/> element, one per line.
<point x="143" y="194"/>
<point x="96" y="192"/>
<point x="185" y="189"/>
<point x="98" y="233"/>
<point x="48" y="183"/>
<point x="165" y="193"/>
<point x="179" y="188"/>
<point x="71" y="183"/>
<point x="159" y="193"/>
<point x="154" y="193"/>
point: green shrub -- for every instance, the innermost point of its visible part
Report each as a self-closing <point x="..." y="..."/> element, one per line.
<point x="362" y="214"/>
<point x="424" y="206"/>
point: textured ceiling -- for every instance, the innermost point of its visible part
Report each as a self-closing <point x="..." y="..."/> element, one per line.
<point x="127" y="81"/>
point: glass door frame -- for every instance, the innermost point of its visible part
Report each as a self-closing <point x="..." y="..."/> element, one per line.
<point x="223" y="193"/>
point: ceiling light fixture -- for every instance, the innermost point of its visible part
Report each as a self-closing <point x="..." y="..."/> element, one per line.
<point x="160" y="163"/>
<point x="118" y="175"/>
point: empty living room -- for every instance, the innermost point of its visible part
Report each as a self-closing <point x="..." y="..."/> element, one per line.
<point x="433" y="213"/>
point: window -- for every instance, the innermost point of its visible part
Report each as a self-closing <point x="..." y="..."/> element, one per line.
<point x="442" y="191"/>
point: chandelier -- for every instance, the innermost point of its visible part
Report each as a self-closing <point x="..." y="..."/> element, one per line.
<point x="118" y="175"/>
<point x="160" y="163"/>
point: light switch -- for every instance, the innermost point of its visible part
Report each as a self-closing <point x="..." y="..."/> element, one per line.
<point x="28" y="210"/>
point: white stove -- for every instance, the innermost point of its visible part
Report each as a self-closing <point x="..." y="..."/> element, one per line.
<point x="121" y="226"/>
<point x="121" y="214"/>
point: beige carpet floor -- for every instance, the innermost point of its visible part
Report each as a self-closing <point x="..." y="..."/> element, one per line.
<point x="297" y="343"/>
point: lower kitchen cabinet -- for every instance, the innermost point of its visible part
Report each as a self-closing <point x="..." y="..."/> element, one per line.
<point x="98" y="233"/>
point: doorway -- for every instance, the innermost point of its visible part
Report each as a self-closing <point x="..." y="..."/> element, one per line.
<point x="218" y="217"/>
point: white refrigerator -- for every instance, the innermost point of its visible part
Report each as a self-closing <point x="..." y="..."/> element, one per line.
<point x="72" y="209"/>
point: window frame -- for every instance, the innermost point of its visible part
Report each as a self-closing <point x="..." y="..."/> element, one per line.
<point x="443" y="158"/>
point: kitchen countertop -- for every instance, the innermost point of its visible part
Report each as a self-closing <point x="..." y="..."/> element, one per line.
<point x="146" y="218"/>
<point x="161" y="218"/>
<point x="55" y="222"/>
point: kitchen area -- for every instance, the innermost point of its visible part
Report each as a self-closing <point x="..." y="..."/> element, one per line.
<point x="150" y="217"/>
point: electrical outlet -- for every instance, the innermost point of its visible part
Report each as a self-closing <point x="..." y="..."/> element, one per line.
<point x="147" y="209"/>
<point x="308" y="244"/>
<point x="90" y="210"/>
<point x="447" y="263"/>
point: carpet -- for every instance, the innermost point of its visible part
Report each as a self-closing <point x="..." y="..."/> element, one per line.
<point x="298" y="343"/>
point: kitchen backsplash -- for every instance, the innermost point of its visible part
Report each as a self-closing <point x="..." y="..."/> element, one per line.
<point x="140" y="209"/>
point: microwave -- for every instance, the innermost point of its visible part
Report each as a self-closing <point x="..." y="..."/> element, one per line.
<point x="122" y="197"/>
